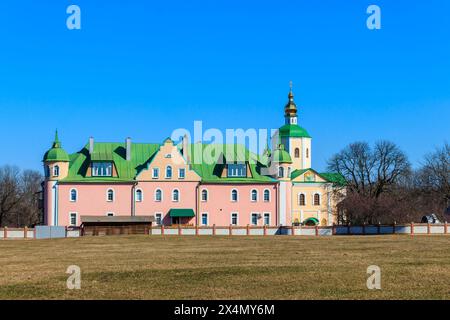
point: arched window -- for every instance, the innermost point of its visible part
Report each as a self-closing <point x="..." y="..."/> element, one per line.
<point x="168" y="172"/>
<point x="297" y="152"/>
<point x="280" y="172"/>
<point x="234" y="195"/>
<point x="266" y="195"/>
<point x="139" y="195"/>
<point x="175" y="195"/>
<point x="204" y="195"/>
<point x="289" y="172"/>
<point x="56" y="171"/>
<point x="307" y="152"/>
<point x="110" y="195"/>
<point x="254" y="196"/>
<point x="73" y="195"/>
<point x="302" y="199"/>
<point x="317" y="199"/>
<point x="158" y="195"/>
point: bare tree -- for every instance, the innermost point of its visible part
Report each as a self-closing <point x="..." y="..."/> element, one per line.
<point x="19" y="196"/>
<point x="372" y="176"/>
<point x="10" y="193"/>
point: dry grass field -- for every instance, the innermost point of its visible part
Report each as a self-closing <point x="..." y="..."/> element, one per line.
<point x="142" y="267"/>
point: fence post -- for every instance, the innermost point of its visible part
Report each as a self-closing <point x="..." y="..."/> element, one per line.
<point x="348" y="228"/>
<point x="379" y="228"/>
<point x="428" y="228"/>
<point x="5" y="232"/>
<point x="364" y="228"/>
<point x="196" y="230"/>
<point x="412" y="228"/>
<point x="333" y="229"/>
<point x="25" y="232"/>
<point x="179" y="230"/>
<point x="214" y="229"/>
<point x="248" y="229"/>
<point x="265" y="230"/>
<point x="293" y="230"/>
<point x="317" y="231"/>
<point x="162" y="229"/>
<point x="230" y="230"/>
<point x="445" y="227"/>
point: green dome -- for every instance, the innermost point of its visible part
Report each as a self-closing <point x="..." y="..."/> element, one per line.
<point x="294" y="131"/>
<point x="56" y="153"/>
<point x="281" y="156"/>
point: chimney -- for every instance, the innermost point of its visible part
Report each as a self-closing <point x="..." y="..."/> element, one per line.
<point x="128" y="147"/>
<point x="91" y="145"/>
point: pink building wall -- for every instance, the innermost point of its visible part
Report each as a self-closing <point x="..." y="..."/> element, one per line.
<point x="148" y="206"/>
<point x="219" y="205"/>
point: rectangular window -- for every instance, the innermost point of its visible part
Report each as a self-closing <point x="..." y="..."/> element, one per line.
<point x="234" y="219"/>
<point x="102" y="169"/>
<point x="155" y="173"/>
<point x="254" y="219"/>
<point x="182" y="173"/>
<point x="237" y="170"/>
<point x="267" y="219"/>
<point x="110" y="214"/>
<point x="158" y="219"/>
<point x="73" y="219"/>
<point x="204" y="219"/>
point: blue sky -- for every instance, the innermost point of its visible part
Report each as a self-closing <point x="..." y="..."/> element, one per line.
<point x="145" y="68"/>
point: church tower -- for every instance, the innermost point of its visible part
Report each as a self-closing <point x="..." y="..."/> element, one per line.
<point x="295" y="139"/>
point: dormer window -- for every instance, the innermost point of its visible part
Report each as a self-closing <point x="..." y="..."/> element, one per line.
<point x="237" y="170"/>
<point x="102" y="169"/>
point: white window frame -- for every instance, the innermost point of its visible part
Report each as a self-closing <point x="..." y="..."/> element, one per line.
<point x="113" y="195"/>
<point x="56" y="171"/>
<point x="251" y="218"/>
<point x="171" y="172"/>
<point x="162" y="195"/>
<point x="264" y="218"/>
<point x="161" y="218"/>
<point x="142" y="195"/>
<point x="320" y="199"/>
<point x="264" y="195"/>
<point x="207" y="195"/>
<point x="76" y="195"/>
<point x="280" y="170"/>
<point x="179" y="173"/>
<point x="306" y="199"/>
<point x="179" y="195"/>
<point x="70" y="218"/>
<point x="237" y="218"/>
<point x="157" y="173"/>
<point x="207" y="219"/>
<point x="251" y="195"/>
<point x="237" y="195"/>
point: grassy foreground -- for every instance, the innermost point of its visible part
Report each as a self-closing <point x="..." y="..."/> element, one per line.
<point x="171" y="267"/>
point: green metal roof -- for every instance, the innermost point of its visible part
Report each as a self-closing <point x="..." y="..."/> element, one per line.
<point x="281" y="156"/>
<point x="294" y="131"/>
<point x="141" y="153"/>
<point x="332" y="177"/>
<point x="218" y="155"/>
<point x="179" y="213"/>
<point x="56" y="153"/>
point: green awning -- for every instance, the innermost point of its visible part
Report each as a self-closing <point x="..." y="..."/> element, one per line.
<point x="311" y="222"/>
<point x="176" y="213"/>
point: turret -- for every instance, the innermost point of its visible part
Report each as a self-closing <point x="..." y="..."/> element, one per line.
<point x="56" y="161"/>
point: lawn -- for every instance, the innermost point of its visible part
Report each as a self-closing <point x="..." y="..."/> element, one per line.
<point x="172" y="267"/>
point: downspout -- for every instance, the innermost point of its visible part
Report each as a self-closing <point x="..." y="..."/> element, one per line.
<point x="133" y="199"/>
<point x="197" y="203"/>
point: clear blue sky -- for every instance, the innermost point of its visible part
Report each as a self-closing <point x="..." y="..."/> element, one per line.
<point x="144" y="68"/>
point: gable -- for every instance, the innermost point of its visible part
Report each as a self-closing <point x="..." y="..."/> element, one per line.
<point x="307" y="176"/>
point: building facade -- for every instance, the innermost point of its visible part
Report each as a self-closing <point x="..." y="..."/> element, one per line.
<point x="177" y="184"/>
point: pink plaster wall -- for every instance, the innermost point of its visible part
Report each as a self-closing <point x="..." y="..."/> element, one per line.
<point x="219" y="205"/>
